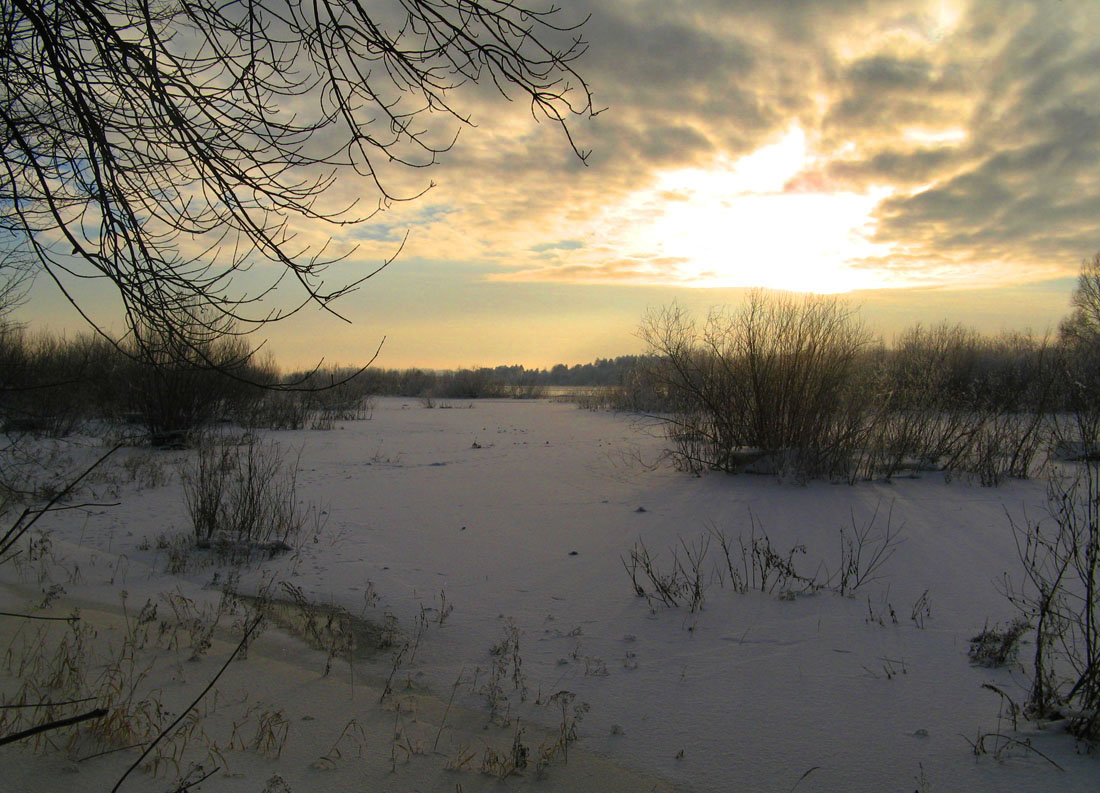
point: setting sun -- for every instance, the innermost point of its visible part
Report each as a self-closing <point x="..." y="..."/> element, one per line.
<point x="737" y="223"/>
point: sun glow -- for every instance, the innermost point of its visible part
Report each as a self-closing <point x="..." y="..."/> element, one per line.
<point x="736" y="223"/>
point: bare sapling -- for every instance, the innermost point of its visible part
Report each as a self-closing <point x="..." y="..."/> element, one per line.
<point x="864" y="550"/>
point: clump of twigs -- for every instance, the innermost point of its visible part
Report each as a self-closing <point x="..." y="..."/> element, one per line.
<point x="682" y="582"/>
<point x="754" y="563"/>
<point x="997" y="646"/>
<point x="864" y="550"/>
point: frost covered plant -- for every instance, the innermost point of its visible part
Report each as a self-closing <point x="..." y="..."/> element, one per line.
<point x="502" y="764"/>
<point x="754" y="563"/>
<point x="572" y="714"/>
<point x="271" y="728"/>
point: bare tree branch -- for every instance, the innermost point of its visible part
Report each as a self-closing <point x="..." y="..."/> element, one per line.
<point x="168" y="146"/>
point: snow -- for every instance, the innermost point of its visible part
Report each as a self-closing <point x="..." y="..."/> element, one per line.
<point x="519" y="513"/>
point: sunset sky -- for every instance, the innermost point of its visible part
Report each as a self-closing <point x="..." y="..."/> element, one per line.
<point x="931" y="160"/>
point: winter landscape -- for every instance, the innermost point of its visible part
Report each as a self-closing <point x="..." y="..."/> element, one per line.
<point x="315" y="474"/>
<point x="490" y="541"/>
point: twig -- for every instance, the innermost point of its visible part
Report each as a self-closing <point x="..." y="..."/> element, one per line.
<point x="98" y="713"/>
<point x="48" y="704"/>
<point x="70" y="618"/>
<point x="443" y="721"/>
<point x="979" y="745"/>
<point x="109" y="751"/>
<point x="194" y="782"/>
<point x="799" y="781"/>
<point x="19" y="528"/>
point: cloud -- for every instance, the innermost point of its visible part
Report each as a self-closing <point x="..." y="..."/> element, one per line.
<point x="562" y="245"/>
<point x="642" y="270"/>
<point x="1021" y="191"/>
<point x="975" y="127"/>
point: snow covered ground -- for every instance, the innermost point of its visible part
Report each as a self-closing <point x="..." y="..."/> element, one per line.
<point x="519" y="515"/>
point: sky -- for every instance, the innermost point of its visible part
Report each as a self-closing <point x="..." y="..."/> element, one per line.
<point x="927" y="161"/>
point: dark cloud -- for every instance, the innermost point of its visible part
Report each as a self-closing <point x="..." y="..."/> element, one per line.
<point x="562" y="245"/>
<point x="902" y="167"/>
<point x="1029" y="181"/>
<point x="886" y="73"/>
<point x="883" y="92"/>
<point x="641" y="52"/>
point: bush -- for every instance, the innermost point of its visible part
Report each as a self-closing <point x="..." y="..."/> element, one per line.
<point x="49" y="382"/>
<point x="778" y="379"/>
<point x="948" y="398"/>
<point x="241" y="496"/>
<point x="794" y="386"/>
<point x="1060" y="596"/>
<point x="1078" y="397"/>
<point x="175" y="387"/>
<point x="467" y="384"/>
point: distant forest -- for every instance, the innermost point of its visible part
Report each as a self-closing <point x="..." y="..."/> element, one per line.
<point x="53" y="385"/>
<point x="514" y="380"/>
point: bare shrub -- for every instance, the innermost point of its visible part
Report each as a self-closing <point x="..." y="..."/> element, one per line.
<point x="525" y="389"/>
<point x="775" y="379"/>
<point x="1060" y="597"/>
<point x="1016" y="389"/>
<point x="863" y="551"/>
<point x="316" y="399"/>
<point x="1077" y="426"/>
<point x="50" y="385"/>
<point x="175" y="386"/>
<point x="683" y="581"/>
<point x="926" y="399"/>
<point x="240" y="497"/>
<point x="795" y="388"/>
<point x="278" y="410"/>
<point x="478" y="383"/>
<point x="763" y="567"/>
<point x="754" y="563"/>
